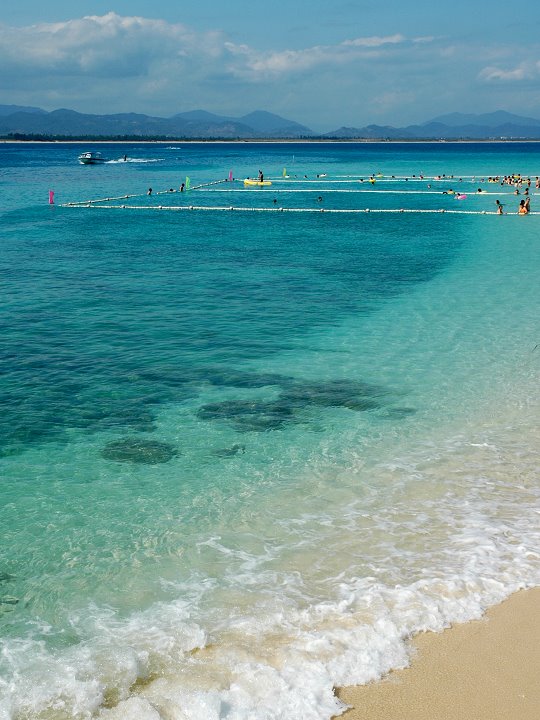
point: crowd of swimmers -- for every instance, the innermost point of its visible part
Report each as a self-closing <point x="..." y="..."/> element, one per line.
<point x="517" y="181"/>
<point x="520" y="184"/>
<point x="171" y="190"/>
<point x="523" y="209"/>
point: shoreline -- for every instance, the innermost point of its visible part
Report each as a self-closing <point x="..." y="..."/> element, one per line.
<point x="273" y="141"/>
<point x="486" y="669"/>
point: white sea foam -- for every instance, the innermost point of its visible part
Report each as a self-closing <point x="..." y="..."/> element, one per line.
<point x="286" y="637"/>
<point x="111" y="656"/>
<point x="260" y="675"/>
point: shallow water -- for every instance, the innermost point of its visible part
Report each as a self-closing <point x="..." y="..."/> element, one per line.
<point x="244" y="456"/>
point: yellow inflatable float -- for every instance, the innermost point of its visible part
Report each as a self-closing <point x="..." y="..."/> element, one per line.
<point x="260" y="183"/>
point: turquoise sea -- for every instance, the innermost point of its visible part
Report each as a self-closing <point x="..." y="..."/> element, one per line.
<point x="245" y="455"/>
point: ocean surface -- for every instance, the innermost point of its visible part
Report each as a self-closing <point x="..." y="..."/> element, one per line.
<point x="246" y="454"/>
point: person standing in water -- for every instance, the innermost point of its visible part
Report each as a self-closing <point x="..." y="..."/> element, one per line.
<point x="499" y="208"/>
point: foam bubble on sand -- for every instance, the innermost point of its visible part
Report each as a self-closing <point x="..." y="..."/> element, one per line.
<point x="132" y="709"/>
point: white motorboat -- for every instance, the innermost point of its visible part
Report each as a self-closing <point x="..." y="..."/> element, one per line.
<point x="91" y="158"/>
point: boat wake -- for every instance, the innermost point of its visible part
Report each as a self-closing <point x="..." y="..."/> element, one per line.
<point x="121" y="161"/>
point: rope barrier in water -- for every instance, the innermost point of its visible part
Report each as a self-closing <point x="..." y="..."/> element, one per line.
<point x="277" y="191"/>
<point x="364" y="190"/>
<point x="159" y="192"/>
<point x="322" y="183"/>
<point x="366" y="179"/>
<point x="482" y="177"/>
<point x="231" y="208"/>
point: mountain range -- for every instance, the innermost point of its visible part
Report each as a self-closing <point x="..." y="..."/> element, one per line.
<point x="499" y="125"/>
<point x="20" y="121"/>
<point x="194" y="124"/>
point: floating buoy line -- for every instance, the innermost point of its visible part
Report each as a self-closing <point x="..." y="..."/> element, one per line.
<point x="363" y="190"/>
<point x="237" y="208"/>
<point x="368" y="186"/>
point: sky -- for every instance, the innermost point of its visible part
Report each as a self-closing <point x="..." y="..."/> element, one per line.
<point x="323" y="63"/>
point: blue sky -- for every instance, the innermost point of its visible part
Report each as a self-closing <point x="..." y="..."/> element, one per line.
<point x="321" y="63"/>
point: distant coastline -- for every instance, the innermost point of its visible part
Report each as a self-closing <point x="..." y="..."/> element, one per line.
<point x="38" y="125"/>
<point x="254" y="141"/>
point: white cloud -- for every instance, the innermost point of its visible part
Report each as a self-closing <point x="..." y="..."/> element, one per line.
<point x="252" y="65"/>
<point x="110" y="63"/>
<point x="374" y="41"/>
<point x="115" y="46"/>
<point x="97" y="45"/>
<point x="424" y="39"/>
<point x="258" y="66"/>
<point x="524" y="71"/>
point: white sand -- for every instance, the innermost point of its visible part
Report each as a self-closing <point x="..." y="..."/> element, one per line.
<point x="483" y="670"/>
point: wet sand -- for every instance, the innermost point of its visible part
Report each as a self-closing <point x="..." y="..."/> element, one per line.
<point x="484" y="670"/>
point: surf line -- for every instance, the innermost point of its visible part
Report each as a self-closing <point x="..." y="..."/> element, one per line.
<point x="232" y="208"/>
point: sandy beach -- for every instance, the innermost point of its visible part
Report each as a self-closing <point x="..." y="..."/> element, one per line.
<point x="484" y="670"/>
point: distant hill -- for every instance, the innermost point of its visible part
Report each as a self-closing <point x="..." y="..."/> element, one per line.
<point x="193" y="124"/>
<point x="491" y="120"/>
<point x="370" y="132"/>
<point x="260" y="122"/>
<point x="200" y="116"/>
<point x="274" y="125"/>
<point x="455" y="126"/>
<point x="20" y="121"/>
<point x="10" y="109"/>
